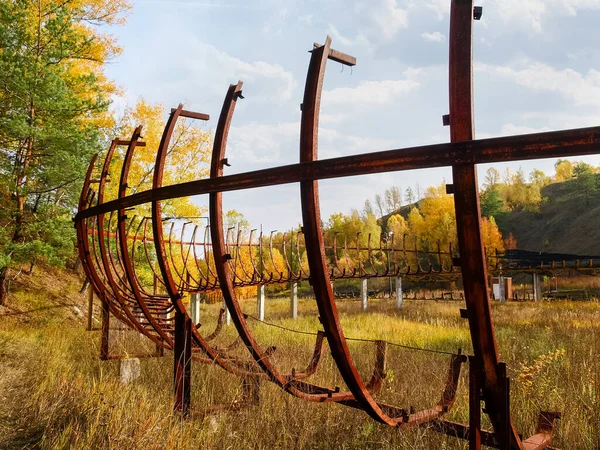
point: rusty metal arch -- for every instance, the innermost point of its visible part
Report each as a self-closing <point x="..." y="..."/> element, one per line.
<point x="315" y="248"/>
<point x="182" y="318"/>
<point x="287" y="382"/>
<point x="116" y="282"/>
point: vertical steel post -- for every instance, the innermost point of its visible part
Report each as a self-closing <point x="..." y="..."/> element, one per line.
<point x="182" y="355"/>
<point x="468" y="221"/>
<point x="90" y="317"/>
<point x="105" y="331"/>
<point x="474" y="405"/>
<point x="195" y="308"/>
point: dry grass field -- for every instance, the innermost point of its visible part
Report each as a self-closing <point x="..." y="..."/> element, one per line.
<point x="56" y="394"/>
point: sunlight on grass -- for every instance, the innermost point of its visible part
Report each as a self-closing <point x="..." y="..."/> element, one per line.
<point x="59" y="395"/>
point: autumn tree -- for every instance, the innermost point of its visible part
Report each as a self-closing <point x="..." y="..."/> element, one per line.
<point x="409" y="196"/>
<point x="356" y="234"/>
<point x="379" y="204"/>
<point x="563" y="170"/>
<point x="492" y="239"/>
<point x="519" y="195"/>
<point x="491" y="203"/>
<point x="538" y="177"/>
<point x="433" y="222"/>
<point x="368" y="208"/>
<point x="393" y="199"/>
<point x="188" y="158"/>
<point x="584" y="180"/>
<point x="510" y="243"/>
<point x="492" y="178"/>
<point x="53" y="108"/>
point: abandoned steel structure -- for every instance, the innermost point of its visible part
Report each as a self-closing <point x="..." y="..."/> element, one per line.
<point x="161" y="316"/>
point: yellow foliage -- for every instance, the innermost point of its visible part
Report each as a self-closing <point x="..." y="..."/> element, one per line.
<point x="528" y="373"/>
<point x="492" y="238"/>
<point x="435" y="221"/>
<point x="96" y="49"/>
<point x="188" y="157"/>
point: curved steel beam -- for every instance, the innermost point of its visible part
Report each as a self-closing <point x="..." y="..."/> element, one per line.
<point x="222" y="258"/>
<point x="83" y="247"/>
<point x="122" y="238"/>
<point x="114" y="286"/>
<point x="320" y="278"/>
<point x="159" y="242"/>
<point x="313" y="235"/>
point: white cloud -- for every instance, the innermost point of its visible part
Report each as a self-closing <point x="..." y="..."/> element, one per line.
<point x="530" y="13"/>
<point x="275" y="144"/>
<point x="370" y="92"/>
<point x="440" y="7"/>
<point x="306" y="19"/>
<point x="436" y="36"/>
<point x="332" y="118"/>
<point x="256" y="142"/>
<point x="213" y="68"/>
<point x="358" y="40"/>
<point x="583" y="89"/>
<point x="375" y="22"/>
<point x="562" y="121"/>
<point x="333" y="143"/>
<point x="386" y="16"/>
<point x="510" y="129"/>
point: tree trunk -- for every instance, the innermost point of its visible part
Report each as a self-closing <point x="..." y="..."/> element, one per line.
<point x="86" y="283"/>
<point x="21" y="181"/>
<point x="3" y="285"/>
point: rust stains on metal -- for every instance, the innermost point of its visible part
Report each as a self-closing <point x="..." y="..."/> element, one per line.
<point x="182" y="265"/>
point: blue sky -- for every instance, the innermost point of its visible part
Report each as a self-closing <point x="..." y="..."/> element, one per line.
<point x="537" y="68"/>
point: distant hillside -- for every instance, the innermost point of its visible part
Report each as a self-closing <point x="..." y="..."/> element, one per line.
<point x="566" y="223"/>
<point x="403" y="211"/>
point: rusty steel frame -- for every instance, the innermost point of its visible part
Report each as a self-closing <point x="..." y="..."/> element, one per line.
<point x="162" y="316"/>
<point x="426" y="262"/>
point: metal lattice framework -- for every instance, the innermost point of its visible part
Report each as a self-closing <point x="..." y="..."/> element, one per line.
<point x="109" y="257"/>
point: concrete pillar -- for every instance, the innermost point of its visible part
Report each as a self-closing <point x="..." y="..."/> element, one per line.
<point x="399" y="292"/>
<point x="105" y="331"/>
<point x="294" y="300"/>
<point x="260" y="302"/>
<point x="502" y="288"/>
<point x="227" y="314"/>
<point x="195" y="308"/>
<point x="537" y="287"/>
<point x="129" y="370"/>
<point x="364" y="293"/>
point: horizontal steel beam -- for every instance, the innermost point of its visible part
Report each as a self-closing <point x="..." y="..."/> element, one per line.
<point x="555" y="144"/>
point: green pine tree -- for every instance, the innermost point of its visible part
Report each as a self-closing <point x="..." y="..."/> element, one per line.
<point x="50" y="93"/>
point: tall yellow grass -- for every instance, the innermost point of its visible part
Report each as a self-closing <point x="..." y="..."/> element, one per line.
<point x="56" y="394"/>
